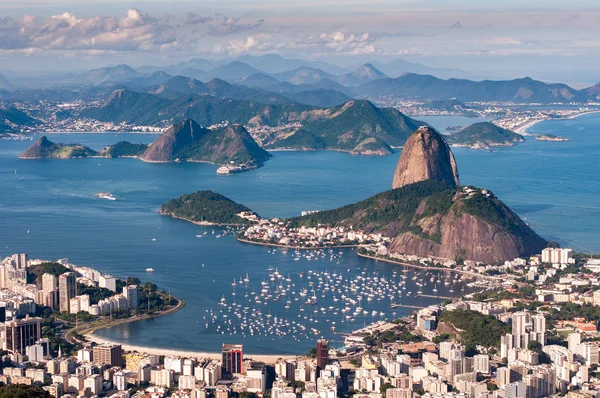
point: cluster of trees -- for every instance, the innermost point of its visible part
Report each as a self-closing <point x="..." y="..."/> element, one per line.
<point x="489" y="209"/>
<point x="35" y="272"/>
<point x="399" y="333"/>
<point x="477" y="328"/>
<point x="396" y="207"/>
<point x="206" y="206"/>
<point x="124" y="148"/>
<point x="23" y="391"/>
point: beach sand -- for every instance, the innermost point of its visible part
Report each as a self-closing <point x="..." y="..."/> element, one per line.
<point x="268" y="359"/>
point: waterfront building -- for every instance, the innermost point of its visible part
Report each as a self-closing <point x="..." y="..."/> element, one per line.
<point x="131" y="294"/>
<point x="232" y="357"/>
<point x="108" y="354"/>
<point x="67" y="289"/>
<point x="20" y="261"/>
<point x="108" y="282"/>
<point x="22" y="333"/>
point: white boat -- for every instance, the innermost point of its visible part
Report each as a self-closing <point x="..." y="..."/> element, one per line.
<point x="105" y="195"/>
<point x="149" y="269"/>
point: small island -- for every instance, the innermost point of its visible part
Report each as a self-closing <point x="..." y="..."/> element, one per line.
<point x="46" y="149"/>
<point x="208" y="208"/>
<point x="550" y="137"/>
<point x="124" y="149"/>
<point x="484" y="135"/>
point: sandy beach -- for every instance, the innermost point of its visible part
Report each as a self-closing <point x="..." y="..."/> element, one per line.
<point x="268" y="359"/>
<point x="523" y="129"/>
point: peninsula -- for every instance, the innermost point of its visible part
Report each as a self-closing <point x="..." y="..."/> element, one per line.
<point x="208" y="208"/>
<point x="46" y="149"/>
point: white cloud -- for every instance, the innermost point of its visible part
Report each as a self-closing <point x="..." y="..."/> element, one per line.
<point x="134" y="31"/>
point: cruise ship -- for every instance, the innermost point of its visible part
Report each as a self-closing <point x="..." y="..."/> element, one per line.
<point x="105" y="195"/>
<point x="230" y="169"/>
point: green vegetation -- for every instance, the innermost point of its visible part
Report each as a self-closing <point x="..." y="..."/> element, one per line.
<point x="23" y="391"/>
<point x="477" y="329"/>
<point x="45" y="149"/>
<point x="484" y="134"/>
<point x="124" y="148"/>
<point x="398" y="334"/>
<point x="96" y="293"/>
<point x="205" y="206"/>
<point x="342" y="127"/>
<point x="35" y="272"/>
<point x="570" y="311"/>
<point x="301" y="139"/>
<point x="11" y="119"/>
<point x="390" y="209"/>
<point x="491" y="210"/>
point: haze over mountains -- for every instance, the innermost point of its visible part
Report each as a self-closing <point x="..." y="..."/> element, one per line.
<point x="307" y="82"/>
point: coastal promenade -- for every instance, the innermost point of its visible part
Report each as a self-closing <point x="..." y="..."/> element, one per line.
<point x="474" y="274"/>
<point x="296" y="247"/>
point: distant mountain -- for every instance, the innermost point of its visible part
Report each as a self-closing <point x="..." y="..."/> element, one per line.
<point x="348" y="127"/>
<point x="427" y="87"/>
<point x="109" y="74"/>
<point x="180" y="85"/>
<point x="303" y="75"/>
<point x="186" y="140"/>
<point x="273" y="63"/>
<point x="45" y="149"/>
<point x="232" y="71"/>
<point x="357" y="127"/>
<point x="4" y="83"/>
<point x="320" y="97"/>
<point x="484" y="134"/>
<point x="365" y="73"/>
<point x="258" y="80"/>
<point x="12" y="120"/>
<point x="593" y="92"/>
<point x="399" y="67"/>
<point x="325" y="84"/>
<point x="148" y="80"/>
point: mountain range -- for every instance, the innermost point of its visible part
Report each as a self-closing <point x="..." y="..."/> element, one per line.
<point x="427" y="87"/>
<point x="357" y="126"/>
<point x="483" y="135"/>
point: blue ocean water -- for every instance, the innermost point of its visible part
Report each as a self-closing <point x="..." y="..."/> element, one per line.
<point x="553" y="186"/>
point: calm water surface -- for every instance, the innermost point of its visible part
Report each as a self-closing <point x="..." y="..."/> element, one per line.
<point x="553" y="186"/>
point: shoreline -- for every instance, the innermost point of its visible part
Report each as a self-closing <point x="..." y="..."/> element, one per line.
<point x="523" y="129"/>
<point x="199" y="223"/>
<point x="295" y="247"/>
<point x="267" y="358"/>
<point x="473" y="274"/>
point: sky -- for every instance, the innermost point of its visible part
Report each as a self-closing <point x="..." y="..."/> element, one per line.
<point x="552" y="40"/>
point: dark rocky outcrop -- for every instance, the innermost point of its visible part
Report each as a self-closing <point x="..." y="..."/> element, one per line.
<point x="190" y="142"/>
<point x="426" y="156"/>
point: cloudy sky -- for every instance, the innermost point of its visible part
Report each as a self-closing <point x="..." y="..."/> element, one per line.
<point x="550" y="39"/>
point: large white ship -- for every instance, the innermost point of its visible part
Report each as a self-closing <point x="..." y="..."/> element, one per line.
<point x="229" y="169"/>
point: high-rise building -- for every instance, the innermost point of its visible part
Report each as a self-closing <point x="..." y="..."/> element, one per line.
<point x="22" y="333"/>
<point x="232" y="356"/>
<point x="108" y="354"/>
<point x="322" y="353"/>
<point x="49" y="283"/>
<point x="67" y="289"/>
<point x="108" y="282"/>
<point x="20" y="260"/>
<point x="131" y="294"/>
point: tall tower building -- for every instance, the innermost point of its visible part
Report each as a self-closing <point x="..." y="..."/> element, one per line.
<point x="233" y="357"/>
<point x="67" y="289"/>
<point x="322" y="353"/>
<point x="49" y="283"/>
<point x="20" y="260"/>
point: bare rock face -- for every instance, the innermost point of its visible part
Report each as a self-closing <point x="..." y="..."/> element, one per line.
<point x="178" y="136"/>
<point x="426" y="156"/>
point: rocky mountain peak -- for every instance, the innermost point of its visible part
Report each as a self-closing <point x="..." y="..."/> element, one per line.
<point x="426" y="156"/>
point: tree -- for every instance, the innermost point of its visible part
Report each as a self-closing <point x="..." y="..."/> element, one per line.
<point x="384" y="388"/>
<point x="534" y="346"/>
<point x="23" y="391"/>
<point x="312" y="353"/>
<point x="492" y="387"/>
